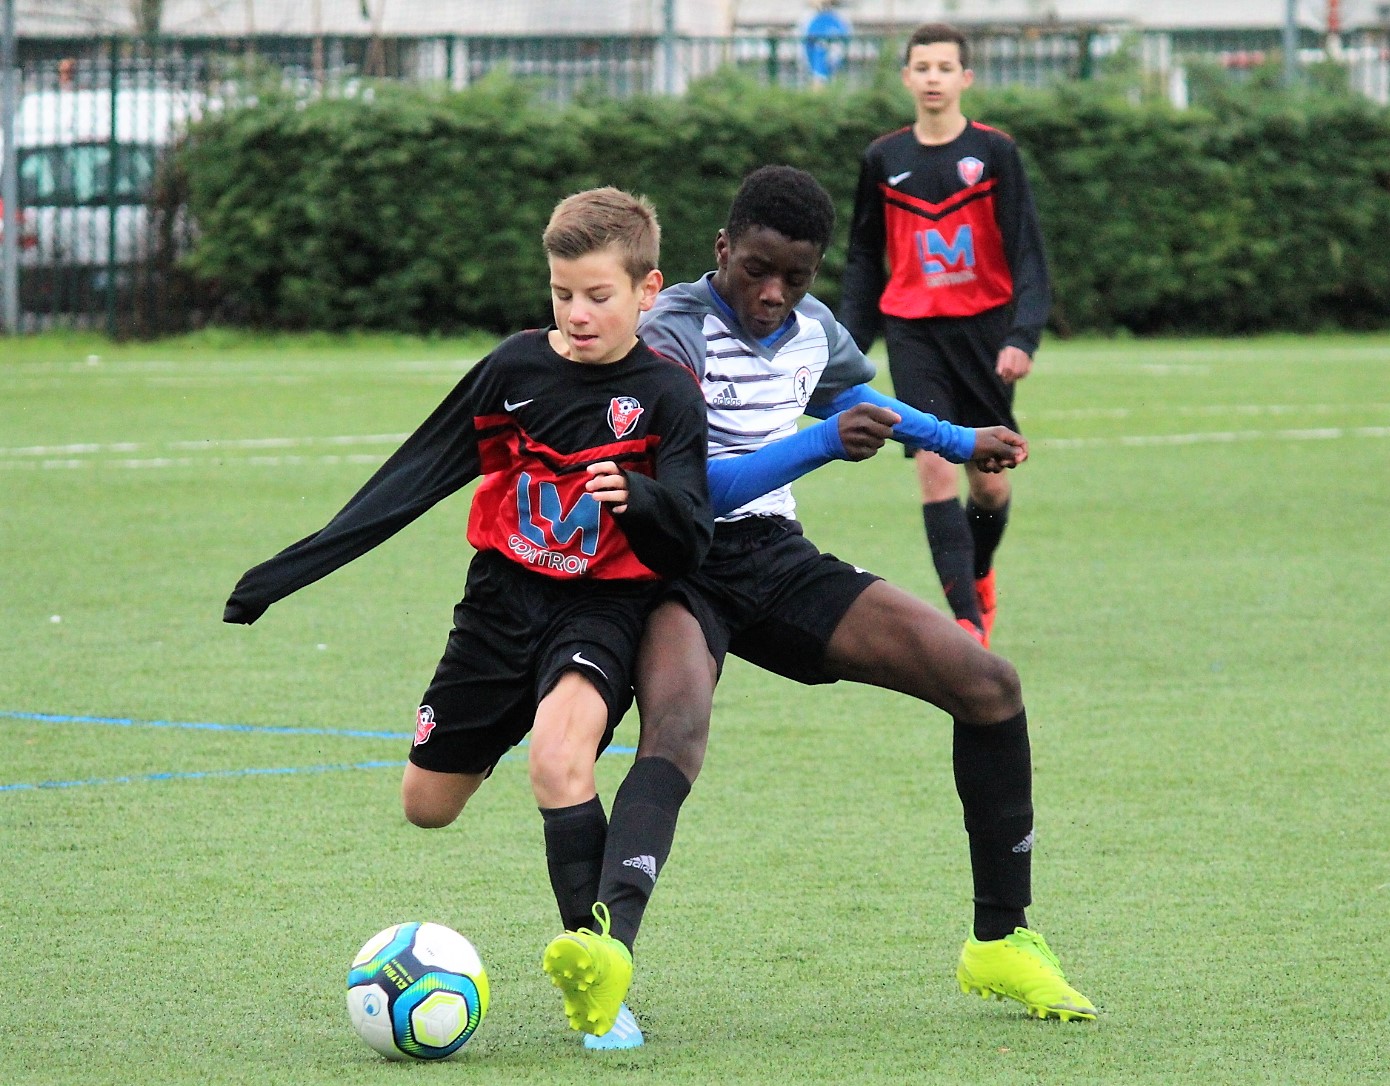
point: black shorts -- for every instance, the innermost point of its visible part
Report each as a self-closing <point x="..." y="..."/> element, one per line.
<point x="515" y="633"/>
<point x="946" y="366"/>
<point x="767" y="594"/>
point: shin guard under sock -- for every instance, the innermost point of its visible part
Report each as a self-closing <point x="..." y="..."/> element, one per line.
<point x="994" y="779"/>
<point x="953" y="554"/>
<point x="574" y="842"/>
<point x="640" y="835"/>
<point x="986" y="530"/>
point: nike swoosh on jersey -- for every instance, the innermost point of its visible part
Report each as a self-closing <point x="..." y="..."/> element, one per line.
<point x="898" y="178"/>
<point x="578" y="658"/>
<point x="519" y="403"/>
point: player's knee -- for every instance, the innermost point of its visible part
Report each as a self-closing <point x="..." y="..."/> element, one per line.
<point x="939" y="478"/>
<point x="990" y="492"/>
<point x="559" y="776"/>
<point x="680" y="737"/>
<point x="427" y="814"/>
<point x="993" y="693"/>
<point x="432" y="801"/>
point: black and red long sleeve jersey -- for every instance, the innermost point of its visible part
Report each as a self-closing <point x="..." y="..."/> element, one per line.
<point x="957" y="228"/>
<point x="529" y="422"/>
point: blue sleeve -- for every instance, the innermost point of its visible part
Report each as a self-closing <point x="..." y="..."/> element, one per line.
<point x="918" y="429"/>
<point x="737" y="480"/>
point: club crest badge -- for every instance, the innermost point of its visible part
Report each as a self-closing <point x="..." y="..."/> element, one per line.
<point x="623" y="413"/>
<point x="424" y="724"/>
<point x="803" y="386"/>
<point x="970" y="169"/>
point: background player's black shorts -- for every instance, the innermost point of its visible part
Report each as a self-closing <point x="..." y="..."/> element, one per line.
<point x="515" y="633"/>
<point x="946" y="366"/>
<point x="767" y="594"/>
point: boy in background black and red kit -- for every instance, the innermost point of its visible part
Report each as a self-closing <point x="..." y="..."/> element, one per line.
<point x="946" y="258"/>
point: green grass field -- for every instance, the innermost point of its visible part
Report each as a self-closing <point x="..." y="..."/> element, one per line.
<point x="1195" y="588"/>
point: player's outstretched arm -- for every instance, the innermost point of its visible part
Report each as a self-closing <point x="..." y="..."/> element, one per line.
<point x="997" y="448"/>
<point x="854" y="434"/>
<point x="865" y="428"/>
<point x="915" y="428"/>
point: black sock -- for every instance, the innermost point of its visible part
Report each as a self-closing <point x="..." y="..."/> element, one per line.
<point x="986" y="529"/>
<point x="574" y="841"/>
<point x="953" y="554"/>
<point x="639" y="841"/>
<point x="994" y="778"/>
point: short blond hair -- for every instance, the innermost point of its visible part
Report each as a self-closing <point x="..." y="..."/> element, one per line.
<point x="602" y="218"/>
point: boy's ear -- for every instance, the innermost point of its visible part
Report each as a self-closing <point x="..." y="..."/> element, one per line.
<point x="649" y="288"/>
<point x="721" y="248"/>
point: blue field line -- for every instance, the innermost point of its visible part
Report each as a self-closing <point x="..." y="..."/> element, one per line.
<point x="197" y="775"/>
<point x="261" y="729"/>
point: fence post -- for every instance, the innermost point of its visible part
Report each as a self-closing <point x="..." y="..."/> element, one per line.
<point x="668" y="47"/>
<point x="112" y="145"/>
<point x="9" y="174"/>
<point x="1290" y="43"/>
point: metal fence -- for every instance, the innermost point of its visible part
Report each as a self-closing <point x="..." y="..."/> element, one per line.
<point x="98" y="249"/>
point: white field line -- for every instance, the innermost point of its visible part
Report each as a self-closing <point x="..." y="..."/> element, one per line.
<point x="117" y="454"/>
<point x="1215" y="437"/>
<point x="1206" y="411"/>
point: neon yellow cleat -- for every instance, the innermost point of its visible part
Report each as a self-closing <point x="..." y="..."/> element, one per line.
<point x="1021" y="966"/>
<point x="593" y="971"/>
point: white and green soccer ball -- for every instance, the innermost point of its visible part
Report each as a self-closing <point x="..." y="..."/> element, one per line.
<point x="417" y="991"/>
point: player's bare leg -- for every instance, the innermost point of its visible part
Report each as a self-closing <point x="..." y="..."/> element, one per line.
<point x="591" y="969"/>
<point x="675" y="711"/>
<point x="890" y="639"/>
<point x="431" y="799"/>
<point x="570" y="722"/>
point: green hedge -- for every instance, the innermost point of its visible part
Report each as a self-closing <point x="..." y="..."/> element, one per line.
<point x="415" y="210"/>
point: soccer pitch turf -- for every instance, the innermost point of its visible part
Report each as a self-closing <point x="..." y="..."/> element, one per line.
<point x="201" y="822"/>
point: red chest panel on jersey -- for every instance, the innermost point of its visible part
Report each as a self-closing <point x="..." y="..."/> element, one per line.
<point x="946" y="259"/>
<point x="531" y="504"/>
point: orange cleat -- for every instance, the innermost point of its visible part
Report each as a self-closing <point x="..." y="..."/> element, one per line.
<point x="984" y="592"/>
<point x="974" y="631"/>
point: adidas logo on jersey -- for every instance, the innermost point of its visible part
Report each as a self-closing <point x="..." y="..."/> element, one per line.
<point x="644" y="864"/>
<point x="727" y="397"/>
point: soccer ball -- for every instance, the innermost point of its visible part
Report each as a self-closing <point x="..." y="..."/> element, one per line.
<point x="417" y="991"/>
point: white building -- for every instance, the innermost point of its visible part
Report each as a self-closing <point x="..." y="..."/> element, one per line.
<point x="409" y="18"/>
<point x="1145" y="14"/>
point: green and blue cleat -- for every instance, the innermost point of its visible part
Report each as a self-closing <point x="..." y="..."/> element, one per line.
<point x="626" y="1033"/>
<point x="1021" y="966"/>
<point x="593" y="971"/>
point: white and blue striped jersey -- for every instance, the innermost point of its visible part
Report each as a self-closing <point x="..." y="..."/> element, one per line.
<point x="755" y="394"/>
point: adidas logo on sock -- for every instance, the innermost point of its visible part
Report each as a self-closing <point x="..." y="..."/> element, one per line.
<point x="727" y="397"/>
<point x="644" y="864"/>
<point x="1026" y="845"/>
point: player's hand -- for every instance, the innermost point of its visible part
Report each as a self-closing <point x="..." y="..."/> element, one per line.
<point x="864" y="428"/>
<point x="1013" y="364"/>
<point x="997" y="448"/>
<point x="608" y="483"/>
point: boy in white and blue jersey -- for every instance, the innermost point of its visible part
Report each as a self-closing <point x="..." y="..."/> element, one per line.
<point x="766" y="352"/>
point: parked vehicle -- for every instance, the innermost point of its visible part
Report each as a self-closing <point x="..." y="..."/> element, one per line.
<point x="28" y="236"/>
<point x="86" y="163"/>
